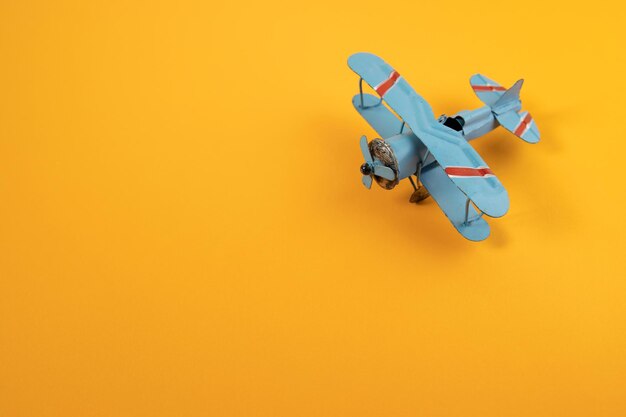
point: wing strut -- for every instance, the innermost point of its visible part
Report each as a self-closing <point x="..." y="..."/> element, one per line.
<point x="361" y="94"/>
<point x="467" y="221"/>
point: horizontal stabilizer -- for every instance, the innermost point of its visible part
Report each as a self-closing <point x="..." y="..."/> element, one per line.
<point x="521" y="124"/>
<point x="506" y="107"/>
<point x="487" y="90"/>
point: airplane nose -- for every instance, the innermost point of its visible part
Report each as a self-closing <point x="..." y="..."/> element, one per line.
<point x="366" y="169"/>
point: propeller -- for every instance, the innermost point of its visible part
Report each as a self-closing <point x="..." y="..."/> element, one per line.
<point x="371" y="167"/>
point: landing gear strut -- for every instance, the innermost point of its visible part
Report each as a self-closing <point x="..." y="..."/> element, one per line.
<point x="419" y="191"/>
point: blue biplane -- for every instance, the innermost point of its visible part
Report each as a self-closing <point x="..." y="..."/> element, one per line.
<point x="436" y="151"/>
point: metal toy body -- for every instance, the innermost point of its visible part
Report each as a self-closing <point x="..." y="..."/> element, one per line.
<point x="436" y="151"/>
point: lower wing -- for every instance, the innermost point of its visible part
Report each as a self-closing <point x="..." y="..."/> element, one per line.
<point x="383" y="121"/>
<point x="453" y="203"/>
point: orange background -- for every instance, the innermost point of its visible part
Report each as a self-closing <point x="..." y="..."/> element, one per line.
<point x="183" y="229"/>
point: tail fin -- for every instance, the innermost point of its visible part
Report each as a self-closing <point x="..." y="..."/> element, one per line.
<point x="509" y="100"/>
<point x="506" y="107"/>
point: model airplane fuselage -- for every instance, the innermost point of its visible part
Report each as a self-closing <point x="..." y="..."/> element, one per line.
<point x="436" y="151"/>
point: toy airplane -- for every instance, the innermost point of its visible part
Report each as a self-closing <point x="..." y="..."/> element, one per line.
<point x="437" y="151"/>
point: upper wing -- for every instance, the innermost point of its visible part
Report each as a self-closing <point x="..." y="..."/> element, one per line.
<point x="460" y="161"/>
<point x="466" y="169"/>
<point x="388" y="83"/>
<point x="488" y="91"/>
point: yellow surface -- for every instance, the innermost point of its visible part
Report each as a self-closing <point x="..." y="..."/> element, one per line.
<point x="184" y="231"/>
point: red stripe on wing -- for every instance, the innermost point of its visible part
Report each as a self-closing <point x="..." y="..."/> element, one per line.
<point x="386" y="85"/>
<point x="468" y="171"/>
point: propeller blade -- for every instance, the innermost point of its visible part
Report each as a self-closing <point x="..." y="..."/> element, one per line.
<point x="385" y="172"/>
<point x="367" y="181"/>
<point x="365" y="150"/>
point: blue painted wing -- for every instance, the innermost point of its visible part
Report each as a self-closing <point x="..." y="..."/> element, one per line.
<point x="458" y="159"/>
<point x="487" y="90"/>
<point x="453" y="202"/>
<point x="380" y="76"/>
<point x="520" y="124"/>
<point x="466" y="169"/>
<point x="383" y="121"/>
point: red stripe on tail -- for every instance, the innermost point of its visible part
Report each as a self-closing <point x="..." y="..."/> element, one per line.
<point x="488" y="88"/>
<point x="523" y="125"/>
